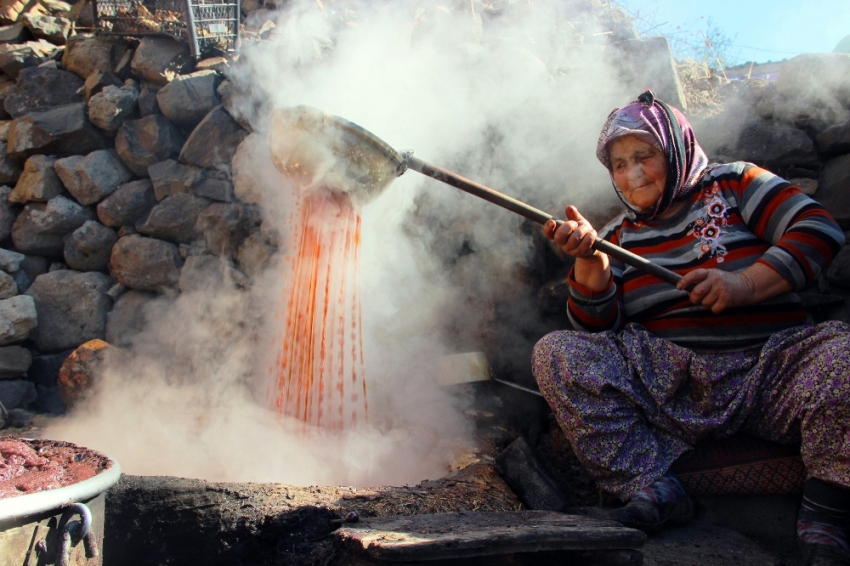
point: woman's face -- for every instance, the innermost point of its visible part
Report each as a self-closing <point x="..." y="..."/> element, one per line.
<point x="639" y="169"/>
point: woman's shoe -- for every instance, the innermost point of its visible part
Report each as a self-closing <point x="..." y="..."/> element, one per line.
<point x="662" y="504"/>
<point x="822" y="541"/>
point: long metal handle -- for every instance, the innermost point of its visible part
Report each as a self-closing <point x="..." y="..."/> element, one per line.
<point x="536" y="215"/>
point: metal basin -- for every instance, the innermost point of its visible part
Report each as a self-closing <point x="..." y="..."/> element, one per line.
<point x="57" y="526"/>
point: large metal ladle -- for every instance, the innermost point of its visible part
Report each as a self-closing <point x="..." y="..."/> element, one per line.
<point x="328" y="151"/>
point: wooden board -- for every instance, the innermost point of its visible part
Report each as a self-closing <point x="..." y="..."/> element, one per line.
<point x="460" y="535"/>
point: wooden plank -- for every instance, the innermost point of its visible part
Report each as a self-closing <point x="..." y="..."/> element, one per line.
<point x="460" y="535"/>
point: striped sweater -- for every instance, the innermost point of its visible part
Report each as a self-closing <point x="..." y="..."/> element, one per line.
<point x="739" y="214"/>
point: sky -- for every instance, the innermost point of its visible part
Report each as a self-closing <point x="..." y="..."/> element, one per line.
<point x="759" y="30"/>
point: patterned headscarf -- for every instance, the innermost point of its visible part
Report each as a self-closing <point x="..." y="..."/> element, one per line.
<point x="667" y="129"/>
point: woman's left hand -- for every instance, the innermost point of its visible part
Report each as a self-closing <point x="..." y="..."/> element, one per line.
<point x="719" y="290"/>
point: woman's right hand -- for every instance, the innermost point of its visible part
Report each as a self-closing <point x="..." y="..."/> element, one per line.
<point x="575" y="236"/>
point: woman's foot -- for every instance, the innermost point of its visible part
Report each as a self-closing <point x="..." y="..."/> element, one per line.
<point x="822" y="539"/>
<point x="664" y="503"/>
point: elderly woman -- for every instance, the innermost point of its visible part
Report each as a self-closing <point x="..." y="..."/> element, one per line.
<point x="652" y="369"/>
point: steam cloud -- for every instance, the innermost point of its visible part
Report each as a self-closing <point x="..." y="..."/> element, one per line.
<point x="513" y="99"/>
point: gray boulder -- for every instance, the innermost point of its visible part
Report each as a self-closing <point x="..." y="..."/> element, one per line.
<point x="839" y="270"/>
<point x="15" y="33"/>
<point x="128" y="204"/>
<point x="834" y="189"/>
<point x="98" y="80"/>
<point x="171" y="178"/>
<point x="9" y="168"/>
<point x="126" y="319"/>
<point x="72" y="308"/>
<point x="8" y="286"/>
<point x="835" y="140"/>
<point x="159" y="59"/>
<point x="10" y="261"/>
<point x="40" y="228"/>
<point x="13" y="58"/>
<point x="226" y="225"/>
<point x="649" y="61"/>
<point x="50" y="28"/>
<point x="112" y="106"/>
<point x="219" y="189"/>
<point x="38" y="181"/>
<point x="85" y="54"/>
<point x="212" y="144"/>
<point x="40" y="88"/>
<point x="255" y="255"/>
<point x="776" y="145"/>
<point x="89" y="247"/>
<point x="17" y="393"/>
<point x="65" y="130"/>
<point x="188" y="98"/>
<point x="146" y="264"/>
<point x="801" y="101"/>
<point x="174" y="219"/>
<point x="92" y="178"/>
<point x="245" y="170"/>
<point x="8" y="213"/>
<point x="17" y="319"/>
<point x="14" y="361"/>
<point x="147" y="99"/>
<point x="146" y="141"/>
<point x="31" y="267"/>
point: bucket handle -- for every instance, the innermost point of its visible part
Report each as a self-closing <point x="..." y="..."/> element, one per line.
<point x="81" y="530"/>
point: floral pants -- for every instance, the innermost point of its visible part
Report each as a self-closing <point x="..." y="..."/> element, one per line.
<point x="631" y="403"/>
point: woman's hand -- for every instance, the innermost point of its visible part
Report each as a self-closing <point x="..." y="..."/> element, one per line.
<point x="575" y="236"/>
<point x="719" y="290"/>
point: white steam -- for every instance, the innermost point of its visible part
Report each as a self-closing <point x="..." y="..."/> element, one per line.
<point x="514" y="100"/>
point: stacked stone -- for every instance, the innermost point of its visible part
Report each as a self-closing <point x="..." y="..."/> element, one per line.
<point x="117" y="172"/>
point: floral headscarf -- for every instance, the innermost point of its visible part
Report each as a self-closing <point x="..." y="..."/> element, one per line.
<point x="667" y="129"/>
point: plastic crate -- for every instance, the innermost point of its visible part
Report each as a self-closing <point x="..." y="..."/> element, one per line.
<point x="208" y="25"/>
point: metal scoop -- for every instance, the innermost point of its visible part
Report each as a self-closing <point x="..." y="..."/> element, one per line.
<point x="322" y="150"/>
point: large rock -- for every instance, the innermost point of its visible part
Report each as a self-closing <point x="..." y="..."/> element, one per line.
<point x="17" y="393"/>
<point x="8" y="213"/>
<point x="212" y="144"/>
<point x="31" y="267"/>
<point x="226" y="226"/>
<point x="128" y="204"/>
<point x="648" y="63"/>
<point x="146" y="264"/>
<point x="188" y="98"/>
<point x="38" y="181"/>
<point x="53" y="29"/>
<point x="146" y="141"/>
<point x="40" y="88"/>
<point x="15" y="33"/>
<point x="255" y="255"/>
<point x="147" y="99"/>
<point x="84" y="55"/>
<point x="160" y="59"/>
<point x="89" y="247"/>
<point x="835" y="140"/>
<point x="92" y="178"/>
<point x="14" y="361"/>
<point x="13" y="58"/>
<point x="171" y="178"/>
<point x="776" y="145"/>
<point x="8" y="286"/>
<point x="65" y="130"/>
<point x="246" y="176"/>
<point x="9" y="168"/>
<point x="218" y="188"/>
<point x="126" y="319"/>
<point x="17" y="318"/>
<point x="99" y="80"/>
<point x="82" y="371"/>
<point x="174" y="219"/>
<point x="814" y="88"/>
<point x="41" y="227"/>
<point x="10" y="261"/>
<point x="834" y="189"/>
<point x="72" y="308"/>
<point x="112" y="106"/>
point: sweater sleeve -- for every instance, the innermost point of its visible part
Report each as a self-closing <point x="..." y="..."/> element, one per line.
<point x="595" y="311"/>
<point x="804" y="236"/>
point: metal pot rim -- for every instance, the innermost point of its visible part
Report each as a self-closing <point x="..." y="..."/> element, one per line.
<point x="21" y="506"/>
